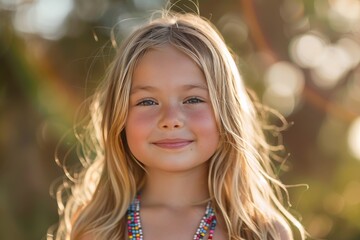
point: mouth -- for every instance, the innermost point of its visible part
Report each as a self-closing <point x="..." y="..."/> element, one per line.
<point x="172" y="143"/>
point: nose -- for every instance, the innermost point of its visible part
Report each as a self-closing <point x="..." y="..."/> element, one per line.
<point x="171" y="117"/>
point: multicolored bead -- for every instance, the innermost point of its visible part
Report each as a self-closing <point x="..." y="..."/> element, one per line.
<point x="208" y="222"/>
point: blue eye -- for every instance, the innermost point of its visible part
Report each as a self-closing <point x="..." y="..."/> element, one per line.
<point x="194" y="100"/>
<point x="146" y="102"/>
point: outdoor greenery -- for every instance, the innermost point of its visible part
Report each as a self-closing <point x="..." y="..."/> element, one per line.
<point x="300" y="57"/>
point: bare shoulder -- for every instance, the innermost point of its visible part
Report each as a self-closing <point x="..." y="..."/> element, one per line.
<point x="284" y="230"/>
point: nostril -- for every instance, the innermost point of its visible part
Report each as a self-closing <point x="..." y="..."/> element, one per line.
<point x="171" y="126"/>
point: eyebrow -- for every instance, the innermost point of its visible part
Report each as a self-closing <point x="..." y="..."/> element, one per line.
<point x="148" y="88"/>
<point x="142" y="88"/>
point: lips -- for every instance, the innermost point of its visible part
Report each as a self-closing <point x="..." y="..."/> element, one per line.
<point x="172" y="143"/>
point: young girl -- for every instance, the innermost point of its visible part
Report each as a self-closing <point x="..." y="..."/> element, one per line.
<point x="175" y="148"/>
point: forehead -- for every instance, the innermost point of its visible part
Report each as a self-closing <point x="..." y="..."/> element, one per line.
<point x="167" y="66"/>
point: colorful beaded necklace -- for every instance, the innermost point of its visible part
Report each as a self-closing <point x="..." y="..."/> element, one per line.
<point x="208" y="222"/>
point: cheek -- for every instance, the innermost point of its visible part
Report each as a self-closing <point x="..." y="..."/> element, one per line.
<point x="203" y="121"/>
<point x="138" y="124"/>
<point x="202" y="116"/>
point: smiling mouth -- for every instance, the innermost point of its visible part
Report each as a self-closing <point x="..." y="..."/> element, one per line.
<point x="173" y="143"/>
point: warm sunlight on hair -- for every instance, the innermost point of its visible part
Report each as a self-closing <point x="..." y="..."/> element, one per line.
<point x="171" y="74"/>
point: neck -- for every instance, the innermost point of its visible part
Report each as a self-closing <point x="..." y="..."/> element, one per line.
<point x="175" y="190"/>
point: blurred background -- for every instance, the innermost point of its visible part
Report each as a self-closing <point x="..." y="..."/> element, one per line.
<point x="301" y="57"/>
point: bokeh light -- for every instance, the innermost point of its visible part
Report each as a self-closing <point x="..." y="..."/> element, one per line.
<point x="328" y="62"/>
<point x="344" y="15"/>
<point x="44" y="17"/>
<point x="300" y="57"/>
<point x="334" y="63"/>
<point x="306" y="49"/>
<point x="284" y="83"/>
<point x="354" y="138"/>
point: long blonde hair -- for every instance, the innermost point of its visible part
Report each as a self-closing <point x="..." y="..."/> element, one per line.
<point x="241" y="180"/>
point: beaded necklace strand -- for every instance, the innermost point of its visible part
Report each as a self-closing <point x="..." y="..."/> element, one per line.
<point x="208" y="222"/>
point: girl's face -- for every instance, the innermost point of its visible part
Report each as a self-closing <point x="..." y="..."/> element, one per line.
<point x="171" y="124"/>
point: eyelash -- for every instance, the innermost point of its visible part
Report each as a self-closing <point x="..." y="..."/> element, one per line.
<point x="145" y="102"/>
<point x="149" y="102"/>
<point x="191" y="100"/>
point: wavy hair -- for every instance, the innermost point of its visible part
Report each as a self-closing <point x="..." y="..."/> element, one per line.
<point x="242" y="184"/>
